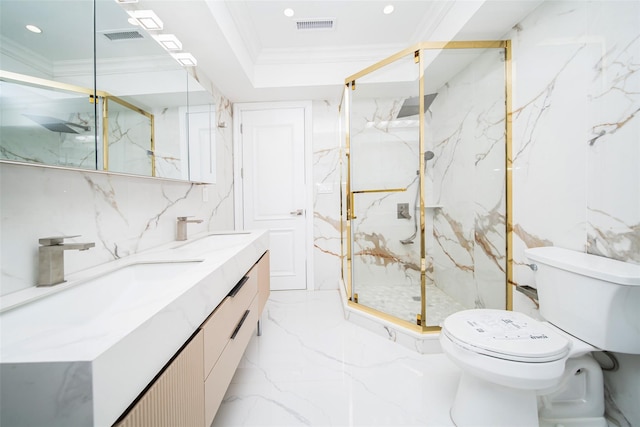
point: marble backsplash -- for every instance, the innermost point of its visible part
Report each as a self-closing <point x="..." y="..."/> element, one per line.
<point x="122" y="214"/>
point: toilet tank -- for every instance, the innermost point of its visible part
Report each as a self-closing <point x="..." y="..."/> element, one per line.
<point x="593" y="298"/>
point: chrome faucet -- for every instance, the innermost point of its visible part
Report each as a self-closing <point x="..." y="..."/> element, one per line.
<point x="182" y="226"/>
<point x="51" y="258"/>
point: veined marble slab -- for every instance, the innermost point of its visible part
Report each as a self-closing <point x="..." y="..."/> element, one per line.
<point x="79" y="369"/>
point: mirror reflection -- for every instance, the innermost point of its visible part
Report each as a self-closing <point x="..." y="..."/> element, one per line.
<point x="47" y="125"/>
<point x="123" y="106"/>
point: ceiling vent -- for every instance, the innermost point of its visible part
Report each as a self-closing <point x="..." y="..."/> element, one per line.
<point x="123" y="35"/>
<point x="316" y="24"/>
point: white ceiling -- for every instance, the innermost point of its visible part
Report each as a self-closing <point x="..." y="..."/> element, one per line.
<point x="248" y="48"/>
<point x="252" y="52"/>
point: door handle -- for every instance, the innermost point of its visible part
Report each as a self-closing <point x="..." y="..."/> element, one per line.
<point x="297" y="212"/>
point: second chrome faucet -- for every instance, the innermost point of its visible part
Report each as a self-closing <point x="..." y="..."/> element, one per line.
<point x="181" y="233"/>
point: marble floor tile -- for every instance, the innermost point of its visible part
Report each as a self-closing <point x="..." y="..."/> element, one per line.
<point x="311" y="367"/>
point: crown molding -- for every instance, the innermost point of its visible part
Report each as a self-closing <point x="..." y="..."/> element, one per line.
<point x="431" y="21"/>
<point x="22" y="55"/>
<point x="239" y="13"/>
<point x="326" y="55"/>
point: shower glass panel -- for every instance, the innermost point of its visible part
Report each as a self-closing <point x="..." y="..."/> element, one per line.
<point x="385" y="182"/>
<point x="465" y="185"/>
<point x="130" y="137"/>
<point x="427" y="183"/>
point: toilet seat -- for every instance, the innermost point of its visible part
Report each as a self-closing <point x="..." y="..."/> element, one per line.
<point x="505" y="335"/>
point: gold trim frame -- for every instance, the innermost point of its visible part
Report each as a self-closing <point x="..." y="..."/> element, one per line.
<point x="350" y="83"/>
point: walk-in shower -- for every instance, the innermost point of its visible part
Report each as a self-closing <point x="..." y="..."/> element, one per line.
<point x="426" y="183"/>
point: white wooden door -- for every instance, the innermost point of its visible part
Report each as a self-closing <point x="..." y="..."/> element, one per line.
<point x="274" y="189"/>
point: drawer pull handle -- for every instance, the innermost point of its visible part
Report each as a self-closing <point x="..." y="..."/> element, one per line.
<point x="237" y="329"/>
<point x="237" y="287"/>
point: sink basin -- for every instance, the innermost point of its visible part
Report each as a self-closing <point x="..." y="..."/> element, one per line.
<point x="213" y="242"/>
<point x="117" y="293"/>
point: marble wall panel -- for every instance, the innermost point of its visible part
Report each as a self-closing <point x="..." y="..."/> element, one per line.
<point x="613" y="131"/>
<point x="577" y="146"/>
<point x="326" y="194"/>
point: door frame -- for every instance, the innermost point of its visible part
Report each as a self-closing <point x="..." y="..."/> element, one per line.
<point x="238" y="203"/>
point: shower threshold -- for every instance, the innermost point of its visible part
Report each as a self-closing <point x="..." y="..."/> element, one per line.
<point x="420" y="342"/>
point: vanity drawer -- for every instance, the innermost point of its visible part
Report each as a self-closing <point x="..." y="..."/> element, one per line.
<point x="216" y="384"/>
<point x="219" y="327"/>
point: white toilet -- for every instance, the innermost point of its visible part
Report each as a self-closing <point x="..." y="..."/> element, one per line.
<point x="518" y="371"/>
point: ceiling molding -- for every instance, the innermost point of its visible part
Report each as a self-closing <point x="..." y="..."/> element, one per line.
<point x="288" y="56"/>
<point x="111" y="66"/>
<point x="239" y="12"/>
<point x="223" y="17"/>
<point x="431" y="21"/>
<point x="23" y="55"/>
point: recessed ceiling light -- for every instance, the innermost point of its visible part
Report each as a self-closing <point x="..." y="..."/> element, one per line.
<point x="388" y="9"/>
<point x="33" y="29"/>
<point x="185" y="59"/>
<point x="169" y="41"/>
<point x="289" y="12"/>
<point x="147" y="19"/>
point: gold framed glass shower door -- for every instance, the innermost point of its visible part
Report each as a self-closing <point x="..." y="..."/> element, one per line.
<point x="384" y="188"/>
<point x="428" y="190"/>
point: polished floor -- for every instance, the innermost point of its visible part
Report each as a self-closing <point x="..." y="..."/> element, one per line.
<point x="311" y="367"/>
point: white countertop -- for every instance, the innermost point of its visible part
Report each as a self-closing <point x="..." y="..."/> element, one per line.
<point x="110" y="342"/>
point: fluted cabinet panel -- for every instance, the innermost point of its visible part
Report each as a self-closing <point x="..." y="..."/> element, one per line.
<point x="176" y="398"/>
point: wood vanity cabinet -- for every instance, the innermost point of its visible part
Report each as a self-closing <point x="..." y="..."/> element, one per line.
<point x="175" y="397"/>
<point x="190" y="389"/>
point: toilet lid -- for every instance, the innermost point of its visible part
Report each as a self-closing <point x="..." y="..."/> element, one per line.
<point x="505" y="334"/>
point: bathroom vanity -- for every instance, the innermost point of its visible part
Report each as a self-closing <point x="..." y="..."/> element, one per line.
<point x="149" y="340"/>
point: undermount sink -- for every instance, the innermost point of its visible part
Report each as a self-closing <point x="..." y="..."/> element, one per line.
<point x="115" y="293"/>
<point x="212" y="242"/>
<point x="82" y="351"/>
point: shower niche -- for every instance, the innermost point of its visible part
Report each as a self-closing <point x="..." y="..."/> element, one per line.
<point x="429" y="128"/>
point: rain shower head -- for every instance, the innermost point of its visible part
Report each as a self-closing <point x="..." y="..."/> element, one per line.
<point x="411" y="106"/>
<point x="57" y="125"/>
